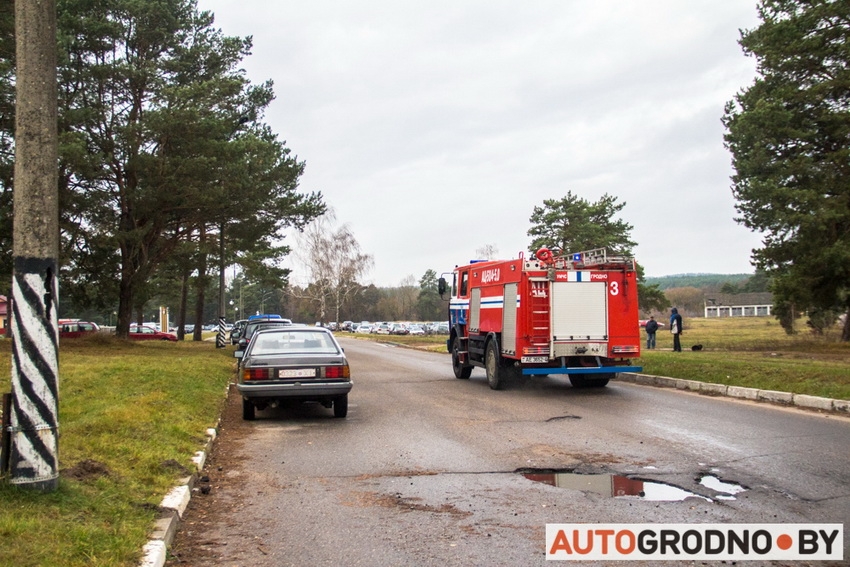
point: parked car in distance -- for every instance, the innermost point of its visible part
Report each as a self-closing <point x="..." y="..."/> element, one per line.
<point x="73" y="329"/>
<point x="416" y="329"/>
<point x="643" y="322"/>
<point x="440" y="328"/>
<point x="399" y="329"/>
<point x="363" y="329"/>
<point x="381" y="329"/>
<point x="236" y="330"/>
<point x="293" y="364"/>
<point x="148" y="333"/>
<point x="252" y="326"/>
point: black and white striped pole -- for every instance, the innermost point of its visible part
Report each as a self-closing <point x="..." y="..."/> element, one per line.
<point x="34" y="421"/>
<point x="220" y="341"/>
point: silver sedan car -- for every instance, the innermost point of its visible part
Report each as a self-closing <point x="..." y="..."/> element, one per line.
<point x="293" y="364"/>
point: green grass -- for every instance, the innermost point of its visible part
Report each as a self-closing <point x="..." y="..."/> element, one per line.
<point x="757" y="353"/>
<point x="130" y="411"/>
<point x="135" y="413"/>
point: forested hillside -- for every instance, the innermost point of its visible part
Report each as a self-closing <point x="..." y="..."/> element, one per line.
<point x="702" y="281"/>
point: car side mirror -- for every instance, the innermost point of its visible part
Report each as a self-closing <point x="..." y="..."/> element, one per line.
<point x="442" y="286"/>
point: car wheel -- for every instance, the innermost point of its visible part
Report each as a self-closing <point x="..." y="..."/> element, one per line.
<point x="492" y="364"/>
<point x="461" y="372"/>
<point x="341" y="406"/>
<point x="247" y="410"/>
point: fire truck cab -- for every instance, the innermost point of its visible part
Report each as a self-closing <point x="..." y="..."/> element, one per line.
<point x="575" y="314"/>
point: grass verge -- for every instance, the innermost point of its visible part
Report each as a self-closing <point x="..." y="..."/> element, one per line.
<point x="131" y="416"/>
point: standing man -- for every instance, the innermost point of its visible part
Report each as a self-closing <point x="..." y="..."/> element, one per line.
<point x="676" y="329"/>
<point x="651" y="328"/>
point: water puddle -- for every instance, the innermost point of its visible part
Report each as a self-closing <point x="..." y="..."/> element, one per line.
<point x="615" y="486"/>
<point x="725" y="490"/>
<point x="618" y="486"/>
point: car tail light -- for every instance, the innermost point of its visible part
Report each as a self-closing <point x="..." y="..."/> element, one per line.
<point x="336" y="371"/>
<point x="257" y="374"/>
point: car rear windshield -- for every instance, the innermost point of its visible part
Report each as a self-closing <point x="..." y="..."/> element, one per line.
<point x="253" y="327"/>
<point x="291" y="342"/>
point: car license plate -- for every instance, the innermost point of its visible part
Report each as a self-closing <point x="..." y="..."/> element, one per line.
<point x="297" y="373"/>
<point x="535" y="359"/>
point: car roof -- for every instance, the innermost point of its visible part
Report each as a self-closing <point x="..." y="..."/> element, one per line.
<point x="295" y="328"/>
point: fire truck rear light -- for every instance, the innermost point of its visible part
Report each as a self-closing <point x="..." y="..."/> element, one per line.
<point x="625" y="349"/>
<point x="536" y="351"/>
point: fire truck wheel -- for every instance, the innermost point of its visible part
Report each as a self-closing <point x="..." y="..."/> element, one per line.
<point x="493" y="366"/>
<point x="461" y="372"/>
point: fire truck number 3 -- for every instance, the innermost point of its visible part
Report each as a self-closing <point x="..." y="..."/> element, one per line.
<point x="613" y="288"/>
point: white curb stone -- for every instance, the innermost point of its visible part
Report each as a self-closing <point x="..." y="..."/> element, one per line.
<point x="815" y="402"/>
<point x="777" y="397"/>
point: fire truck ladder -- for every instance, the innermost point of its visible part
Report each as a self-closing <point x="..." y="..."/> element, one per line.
<point x="597" y="257"/>
<point x="540" y="324"/>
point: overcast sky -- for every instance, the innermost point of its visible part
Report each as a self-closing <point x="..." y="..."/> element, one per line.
<point x="434" y="128"/>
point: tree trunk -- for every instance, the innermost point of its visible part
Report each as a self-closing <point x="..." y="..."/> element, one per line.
<point x="845" y="335"/>
<point x="125" y="307"/>
<point x="184" y="299"/>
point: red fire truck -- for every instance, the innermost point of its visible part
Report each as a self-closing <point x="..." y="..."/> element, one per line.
<point x="575" y="314"/>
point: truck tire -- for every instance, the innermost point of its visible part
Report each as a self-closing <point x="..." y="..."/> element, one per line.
<point x="461" y="372"/>
<point x="493" y="365"/>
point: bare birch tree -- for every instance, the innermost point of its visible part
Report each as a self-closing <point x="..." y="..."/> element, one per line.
<point x="333" y="261"/>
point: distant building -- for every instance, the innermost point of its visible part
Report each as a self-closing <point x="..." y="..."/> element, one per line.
<point x="739" y="305"/>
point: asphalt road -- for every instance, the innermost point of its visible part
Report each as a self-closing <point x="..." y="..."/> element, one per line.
<point x="428" y="470"/>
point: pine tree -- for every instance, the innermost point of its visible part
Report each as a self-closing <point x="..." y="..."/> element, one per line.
<point x="789" y="135"/>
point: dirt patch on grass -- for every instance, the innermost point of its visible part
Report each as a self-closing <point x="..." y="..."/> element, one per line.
<point x="86" y="470"/>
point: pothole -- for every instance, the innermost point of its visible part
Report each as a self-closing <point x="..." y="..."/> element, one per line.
<point x="614" y="486"/>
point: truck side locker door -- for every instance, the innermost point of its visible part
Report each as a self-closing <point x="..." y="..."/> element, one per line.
<point x="475" y="310"/>
<point x="509" y="314"/>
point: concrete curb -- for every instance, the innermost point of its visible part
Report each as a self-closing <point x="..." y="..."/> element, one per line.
<point x="172" y="508"/>
<point x="841" y="407"/>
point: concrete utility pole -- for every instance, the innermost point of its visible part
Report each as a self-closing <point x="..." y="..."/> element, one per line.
<point x="34" y="460"/>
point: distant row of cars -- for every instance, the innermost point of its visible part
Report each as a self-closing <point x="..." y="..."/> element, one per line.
<point x="387" y="328"/>
<point x="74" y="328"/>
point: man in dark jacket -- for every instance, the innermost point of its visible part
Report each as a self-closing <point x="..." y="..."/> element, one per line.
<point x="651" y="329"/>
<point x="676" y="329"/>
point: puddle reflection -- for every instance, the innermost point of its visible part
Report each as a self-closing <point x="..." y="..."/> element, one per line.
<point x="615" y="486"/>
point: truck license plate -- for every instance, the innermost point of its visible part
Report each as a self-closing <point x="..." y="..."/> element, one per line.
<point x="535" y="359"/>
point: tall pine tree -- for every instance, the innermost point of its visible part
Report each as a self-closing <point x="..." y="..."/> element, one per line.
<point x="789" y="135"/>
